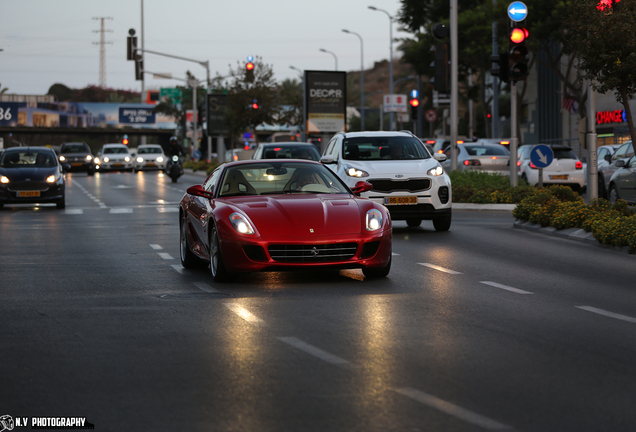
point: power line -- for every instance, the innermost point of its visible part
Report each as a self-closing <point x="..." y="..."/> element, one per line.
<point x="102" y="50"/>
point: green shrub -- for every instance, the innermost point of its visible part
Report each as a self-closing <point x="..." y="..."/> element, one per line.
<point x="570" y="214"/>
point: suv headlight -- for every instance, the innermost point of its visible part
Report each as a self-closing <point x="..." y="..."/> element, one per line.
<point x="62" y="158"/>
<point x="374" y="220"/>
<point x="355" y="172"/>
<point x="437" y="171"/>
<point x="89" y="157"/>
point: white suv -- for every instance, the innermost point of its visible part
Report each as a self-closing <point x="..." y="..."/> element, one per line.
<point x="405" y="177"/>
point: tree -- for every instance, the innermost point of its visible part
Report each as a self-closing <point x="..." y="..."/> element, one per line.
<point x="598" y="35"/>
<point x="290" y="98"/>
<point x="4" y="90"/>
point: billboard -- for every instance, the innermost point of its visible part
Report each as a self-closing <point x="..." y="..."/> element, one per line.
<point x="325" y="101"/>
<point x="217" y="104"/>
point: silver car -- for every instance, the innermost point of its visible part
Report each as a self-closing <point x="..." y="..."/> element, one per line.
<point x="607" y="168"/>
<point x="490" y="158"/>
<point x="621" y="185"/>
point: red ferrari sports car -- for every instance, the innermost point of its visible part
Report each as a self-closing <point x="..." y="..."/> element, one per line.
<point x="273" y="215"/>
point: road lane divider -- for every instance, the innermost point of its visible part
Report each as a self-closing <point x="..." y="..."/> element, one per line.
<point x="179" y="268"/>
<point x="205" y="287"/>
<point x="607" y="313"/>
<point x="314" y="351"/>
<point x="442" y="269"/>
<point x="165" y="256"/>
<point x="156" y="246"/>
<point x="451" y="409"/>
<point x="505" y="287"/>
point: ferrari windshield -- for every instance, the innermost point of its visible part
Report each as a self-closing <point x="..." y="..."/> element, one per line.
<point x="279" y="178"/>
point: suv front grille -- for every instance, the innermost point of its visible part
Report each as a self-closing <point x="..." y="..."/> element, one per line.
<point x="313" y="253"/>
<point x="413" y="185"/>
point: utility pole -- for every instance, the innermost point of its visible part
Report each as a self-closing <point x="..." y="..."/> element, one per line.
<point x="102" y="50"/>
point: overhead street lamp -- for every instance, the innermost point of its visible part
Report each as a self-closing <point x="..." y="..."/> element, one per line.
<point x="297" y="70"/>
<point x="334" y="56"/>
<point x="361" y="77"/>
<point x="390" y="54"/>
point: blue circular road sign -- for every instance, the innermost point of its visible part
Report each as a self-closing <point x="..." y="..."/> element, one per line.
<point x="517" y="11"/>
<point x="541" y="155"/>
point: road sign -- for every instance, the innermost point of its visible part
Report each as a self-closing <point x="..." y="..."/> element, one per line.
<point x="8" y="114"/>
<point x="430" y="115"/>
<point x="517" y="11"/>
<point x="395" y="103"/>
<point x="541" y="155"/>
<point x="170" y="93"/>
<point x="133" y="115"/>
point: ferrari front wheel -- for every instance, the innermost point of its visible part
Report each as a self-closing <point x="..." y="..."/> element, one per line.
<point x="217" y="267"/>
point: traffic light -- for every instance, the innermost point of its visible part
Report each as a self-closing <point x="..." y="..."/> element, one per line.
<point x="249" y="71"/>
<point x="139" y="67"/>
<point x="125" y="140"/>
<point x="255" y="104"/>
<point x="517" y="51"/>
<point x="503" y="64"/>
<point x="415" y="103"/>
<point x="441" y="68"/>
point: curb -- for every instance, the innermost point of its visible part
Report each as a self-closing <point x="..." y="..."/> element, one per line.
<point x="488" y="207"/>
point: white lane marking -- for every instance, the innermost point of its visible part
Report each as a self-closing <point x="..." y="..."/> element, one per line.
<point x="310" y="349"/>
<point x="120" y="210"/>
<point x="451" y="409"/>
<point x="179" y="268"/>
<point x="607" y="313"/>
<point x="244" y="313"/>
<point x="445" y="270"/>
<point x="165" y="256"/>
<point x="395" y="254"/>
<point x="74" y="211"/>
<point x="505" y="287"/>
<point x="167" y="209"/>
<point x="205" y="287"/>
<point x="156" y="247"/>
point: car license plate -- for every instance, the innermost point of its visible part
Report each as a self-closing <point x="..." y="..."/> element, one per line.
<point x="150" y="164"/>
<point x="403" y="200"/>
<point x="28" y="193"/>
<point x="76" y="164"/>
<point x="118" y="164"/>
<point x="558" y="177"/>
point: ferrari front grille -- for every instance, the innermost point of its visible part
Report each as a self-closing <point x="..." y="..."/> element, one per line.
<point x="313" y="253"/>
<point x="413" y="185"/>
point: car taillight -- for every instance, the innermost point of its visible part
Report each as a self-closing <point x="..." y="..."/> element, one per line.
<point x="579" y="165"/>
<point x="518" y="163"/>
<point x="533" y="166"/>
<point x="472" y="162"/>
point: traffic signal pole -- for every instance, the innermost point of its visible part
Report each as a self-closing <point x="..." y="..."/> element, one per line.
<point x="591" y="144"/>
<point x="454" y="102"/>
<point x="513" y="138"/>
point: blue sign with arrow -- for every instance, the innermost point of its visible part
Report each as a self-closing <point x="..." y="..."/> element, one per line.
<point x="517" y="11"/>
<point x="541" y="155"/>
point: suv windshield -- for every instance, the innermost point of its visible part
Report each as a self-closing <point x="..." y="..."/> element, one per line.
<point x="384" y="148"/>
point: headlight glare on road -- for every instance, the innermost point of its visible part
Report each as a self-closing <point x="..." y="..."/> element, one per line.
<point x="437" y="171"/>
<point x="241" y="224"/>
<point x="374" y="220"/>
<point x="4" y="180"/>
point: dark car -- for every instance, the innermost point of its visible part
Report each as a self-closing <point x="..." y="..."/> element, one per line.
<point x="31" y="175"/>
<point x="79" y="156"/>
<point x="288" y="150"/>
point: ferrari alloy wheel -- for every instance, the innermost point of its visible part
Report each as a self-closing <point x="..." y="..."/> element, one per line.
<point x="613" y="194"/>
<point x="378" y="272"/>
<point x="217" y="267"/>
<point x="443" y="223"/>
<point x="188" y="259"/>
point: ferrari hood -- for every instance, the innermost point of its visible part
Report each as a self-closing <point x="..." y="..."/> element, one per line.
<point x="301" y="215"/>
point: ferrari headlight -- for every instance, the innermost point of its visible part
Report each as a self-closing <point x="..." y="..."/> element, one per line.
<point x="50" y="179"/>
<point x="140" y="159"/>
<point x="106" y="159"/>
<point x="355" y="172"/>
<point x="4" y="180"/>
<point x="437" y="171"/>
<point x="160" y="159"/>
<point x="127" y="159"/>
<point x="62" y="158"/>
<point x="374" y="220"/>
<point x="241" y="224"/>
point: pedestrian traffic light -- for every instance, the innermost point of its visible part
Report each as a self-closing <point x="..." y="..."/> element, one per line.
<point x="249" y="71"/>
<point x="125" y="140"/>
<point x="415" y="103"/>
<point x="503" y="64"/>
<point x="517" y="51"/>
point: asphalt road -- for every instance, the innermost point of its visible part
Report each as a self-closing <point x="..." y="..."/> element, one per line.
<point x="484" y="327"/>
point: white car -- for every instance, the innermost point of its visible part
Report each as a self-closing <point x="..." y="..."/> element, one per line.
<point x="405" y="177"/>
<point x="607" y="166"/>
<point x="566" y="169"/>
<point x="114" y="157"/>
<point x="150" y="157"/>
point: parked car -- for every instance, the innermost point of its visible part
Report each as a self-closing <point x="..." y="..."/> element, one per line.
<point x="503" y="141"/>
<point x="79" y="156"/>
<point x="31" y="175"/>
<point x="622" y="185"/>
<point x="482" y="157"/>
<point x="405" y="177"/>
<point x="607" y="168"/>
<point x="566" y="169"/>
<point x="150" y="157"/>
<point x="114" y="157"/>
<point x="262" y="215"/>
<point x="287" y="150"/>
<point x="439" y="145"/>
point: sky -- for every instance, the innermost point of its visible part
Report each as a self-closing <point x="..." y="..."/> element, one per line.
<point x="45" y="42"/>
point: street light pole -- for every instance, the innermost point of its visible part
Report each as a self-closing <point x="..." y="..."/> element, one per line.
<point x="361" y="77"/>
<point x="390" y="55"/>
<point x="334" y="56"/>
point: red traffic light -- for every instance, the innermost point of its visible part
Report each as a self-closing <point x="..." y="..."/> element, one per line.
<point x="414" y="102"/>
<point x="254" y="105"/>
<point x="249" y="66"/>
<point x="518" y="35"/>
<point x="124" y="141"/>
